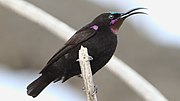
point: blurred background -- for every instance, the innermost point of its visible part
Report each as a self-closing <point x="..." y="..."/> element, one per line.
<point x="150" y="44"/>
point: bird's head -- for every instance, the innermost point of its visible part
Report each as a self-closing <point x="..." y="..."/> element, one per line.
<point x="115" y="19"/>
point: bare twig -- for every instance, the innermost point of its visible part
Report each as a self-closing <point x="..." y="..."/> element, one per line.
<point x="122" y="70"/>
<point x="84" y="59"/>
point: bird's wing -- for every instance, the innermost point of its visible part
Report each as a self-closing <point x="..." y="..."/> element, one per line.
<point x="77" y="38"/>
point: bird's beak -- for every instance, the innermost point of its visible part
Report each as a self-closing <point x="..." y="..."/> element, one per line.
<point x="131" y="12"/>
<point x="115" y="24"/>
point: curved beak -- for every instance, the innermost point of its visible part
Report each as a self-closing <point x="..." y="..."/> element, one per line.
<point x="115" y="24"/>
<point x="131" y="12"/>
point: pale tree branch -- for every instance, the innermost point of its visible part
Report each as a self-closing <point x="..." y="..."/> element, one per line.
<point x="119" y="68"/>
<point x="40" y="17"/>
<point x="84" y="59"/>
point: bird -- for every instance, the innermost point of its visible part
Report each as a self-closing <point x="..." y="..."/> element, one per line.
<point x="99" y="36"/>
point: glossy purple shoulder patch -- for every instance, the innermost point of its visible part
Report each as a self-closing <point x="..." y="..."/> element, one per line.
<point x="95" y="27"/>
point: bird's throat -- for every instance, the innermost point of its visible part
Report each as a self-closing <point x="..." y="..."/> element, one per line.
<point x="115" y="26"/>
<point x="114" y="30"/>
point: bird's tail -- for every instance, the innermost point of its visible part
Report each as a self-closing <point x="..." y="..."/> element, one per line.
<point x="35" y="88"/>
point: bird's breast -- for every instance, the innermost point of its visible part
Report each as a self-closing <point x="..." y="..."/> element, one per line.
<point x="102" y="43"/>
<point x="101" y="47"/>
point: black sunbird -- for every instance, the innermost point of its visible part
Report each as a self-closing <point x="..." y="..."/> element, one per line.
<point x="99" y="36"/>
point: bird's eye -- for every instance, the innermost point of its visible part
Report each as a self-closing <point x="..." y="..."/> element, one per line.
<point x="111" y="16"/>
